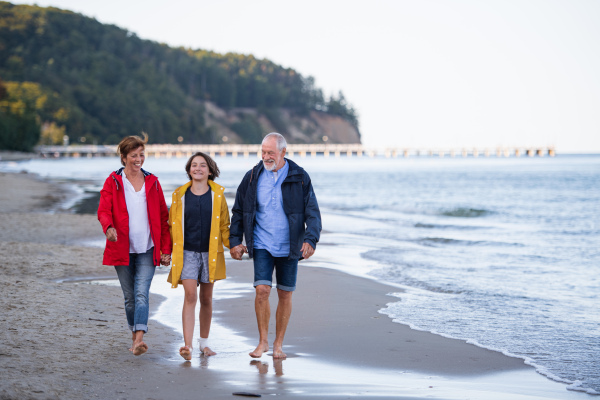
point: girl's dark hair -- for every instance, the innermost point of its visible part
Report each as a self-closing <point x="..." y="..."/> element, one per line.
<point x="129" y="144"/>
<point x="212" y="165"/>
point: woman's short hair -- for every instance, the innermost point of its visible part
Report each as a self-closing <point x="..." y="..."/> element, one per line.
<point x="212" y="165"/>
<point x="129" y="144"/>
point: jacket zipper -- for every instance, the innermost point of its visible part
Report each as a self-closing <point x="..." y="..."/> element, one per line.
<point x="149" y="221"/>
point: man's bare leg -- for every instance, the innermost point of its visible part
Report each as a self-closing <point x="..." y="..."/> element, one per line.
<point x="284" y="310"/>
<point x="206" y="294"/>
<point x="132" y="341"/>
<point x="139" y="347"/>
<point x="263" y="314"/>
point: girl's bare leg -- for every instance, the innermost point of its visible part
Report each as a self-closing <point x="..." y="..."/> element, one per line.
<point x="188" y="317"/>
<point x="206" y="294"/>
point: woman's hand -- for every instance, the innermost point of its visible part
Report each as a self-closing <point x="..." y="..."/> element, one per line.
<point x="111" y="234"/>
<point x="165" y="259"/>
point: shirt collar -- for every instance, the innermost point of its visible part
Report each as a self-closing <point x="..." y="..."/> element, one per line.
<point x="282" y="171"/>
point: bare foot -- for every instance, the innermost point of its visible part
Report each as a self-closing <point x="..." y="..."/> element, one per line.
<point x="186" y="352"/>
<point x="278" y="353"/>
<point x="139" y="348"/>
<point x="258" y="352"/>
<point x="208" y="352"/>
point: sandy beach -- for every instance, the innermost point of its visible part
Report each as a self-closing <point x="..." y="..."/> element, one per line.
<point x="63" y="338"/>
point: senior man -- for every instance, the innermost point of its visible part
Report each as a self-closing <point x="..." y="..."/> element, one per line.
<point x="277" y="212"/>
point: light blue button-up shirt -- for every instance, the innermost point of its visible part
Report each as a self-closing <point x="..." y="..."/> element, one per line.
<point x="272" y="229"/>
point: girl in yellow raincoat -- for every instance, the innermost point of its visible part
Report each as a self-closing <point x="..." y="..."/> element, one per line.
<point x="199" y="222"/>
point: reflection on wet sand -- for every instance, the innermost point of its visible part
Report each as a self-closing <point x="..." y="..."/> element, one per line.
<point x="263" y="367"/>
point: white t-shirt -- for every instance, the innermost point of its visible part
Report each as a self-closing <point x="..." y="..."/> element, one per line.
<point x="140" y="240"/>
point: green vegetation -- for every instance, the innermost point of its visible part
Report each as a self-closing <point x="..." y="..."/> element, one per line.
<point x="73" y="75"/>
<point x="19" y="127"/>
<point x="248" y="128"/>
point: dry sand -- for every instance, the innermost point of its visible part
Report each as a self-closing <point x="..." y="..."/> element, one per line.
<point x="68" y="340"/>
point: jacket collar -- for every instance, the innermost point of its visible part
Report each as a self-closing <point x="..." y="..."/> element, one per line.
<point x="215" y="186"/>
<point x="120" y="172"/>
<point x="294" y="169"/>
<point x="118" y="177"/>
<point x="182" y="189"/>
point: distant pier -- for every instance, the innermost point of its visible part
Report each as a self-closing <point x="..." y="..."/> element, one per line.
<point x="296" y="150"/>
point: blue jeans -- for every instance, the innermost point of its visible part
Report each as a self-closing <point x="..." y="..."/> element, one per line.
<point x="286" y="270"/>
<point x="135" y="280"/>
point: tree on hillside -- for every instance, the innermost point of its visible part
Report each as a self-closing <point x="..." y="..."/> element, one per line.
<point x="3" y="91"/>
<point x="19" y="128"/>
<point x="106" y="82"/>
<point x="339" y="106"/>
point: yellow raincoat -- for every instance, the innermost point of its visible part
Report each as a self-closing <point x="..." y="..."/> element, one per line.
<point x="219" y="233"/>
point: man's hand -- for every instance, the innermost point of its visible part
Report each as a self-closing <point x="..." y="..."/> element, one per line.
<point x="165" y="259"/>
<point x="238" y="251"/>
<point x="111" y="234"/>
<point x="307" y="250"/>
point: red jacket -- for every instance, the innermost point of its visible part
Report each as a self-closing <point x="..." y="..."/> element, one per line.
<point x="112" y="211"/>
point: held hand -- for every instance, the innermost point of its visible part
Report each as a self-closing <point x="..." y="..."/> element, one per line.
<point x="165" y="259"/>
<point x="234" y="252"/>
<point x="111" y="234"/>
<point x="238" y="251"/>
<point x="307" y="250"/>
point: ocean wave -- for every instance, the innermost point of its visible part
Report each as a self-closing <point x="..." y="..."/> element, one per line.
<point x="432" y="241"/>
<point x="576" y="385"/>
<point x="417" y="284"/>
<point x="332" y="207"/>
<point x="435" y="241"/>
<point x="442" y="226"/>
<point x="396" y="274"/>
<point x="463" y="212"/>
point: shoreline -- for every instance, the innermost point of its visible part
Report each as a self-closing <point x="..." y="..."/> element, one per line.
<point x="6" y="155"/>
<point x="70" y="339"/>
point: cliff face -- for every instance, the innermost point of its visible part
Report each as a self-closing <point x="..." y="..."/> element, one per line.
<point x="314" y="127"/>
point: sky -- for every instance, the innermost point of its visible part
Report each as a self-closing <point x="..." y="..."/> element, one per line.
<point x="419" y="73"/>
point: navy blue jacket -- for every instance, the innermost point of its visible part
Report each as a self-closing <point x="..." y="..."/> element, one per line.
<point x="299" y="205"/>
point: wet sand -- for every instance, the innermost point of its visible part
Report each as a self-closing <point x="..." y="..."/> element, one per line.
<point x="68" y="340"/>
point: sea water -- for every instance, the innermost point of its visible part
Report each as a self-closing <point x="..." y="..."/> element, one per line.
<point x="501" y="252"/>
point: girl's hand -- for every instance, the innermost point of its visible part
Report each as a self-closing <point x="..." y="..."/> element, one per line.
<point x="165" y="259"/>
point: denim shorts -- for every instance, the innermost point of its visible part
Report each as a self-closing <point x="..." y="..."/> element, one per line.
<point x="286" y="270"/>
<point x="195" y="266"/>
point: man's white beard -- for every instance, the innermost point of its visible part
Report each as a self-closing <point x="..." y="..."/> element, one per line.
<point x="271" y="167"/>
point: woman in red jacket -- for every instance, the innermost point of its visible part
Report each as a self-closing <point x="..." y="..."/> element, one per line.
<point x="134" y="217"/>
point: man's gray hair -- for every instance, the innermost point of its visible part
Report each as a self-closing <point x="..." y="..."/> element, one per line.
<point x="281" y="143"/>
